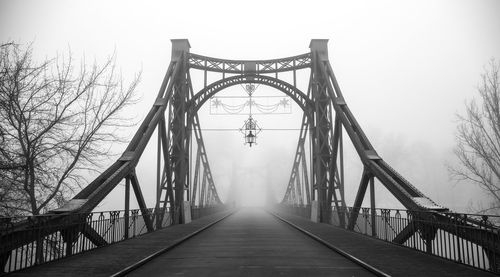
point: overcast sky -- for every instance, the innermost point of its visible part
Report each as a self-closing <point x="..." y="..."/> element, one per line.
<point x="406" y="69"/>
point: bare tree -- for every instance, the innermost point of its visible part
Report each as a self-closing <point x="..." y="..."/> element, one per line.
<point x="56" y="122"/>
<point x="478" y="138"/>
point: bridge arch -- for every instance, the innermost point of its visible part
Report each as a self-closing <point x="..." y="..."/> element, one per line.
<point x="293" y="92"/>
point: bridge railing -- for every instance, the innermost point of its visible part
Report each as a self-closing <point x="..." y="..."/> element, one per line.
<point x="38" y="242"/>
<point x="76" y="234"/>
<point x="475" y="245"/>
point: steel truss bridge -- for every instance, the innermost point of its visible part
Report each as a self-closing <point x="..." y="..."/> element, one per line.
<point x="315" y="189"/>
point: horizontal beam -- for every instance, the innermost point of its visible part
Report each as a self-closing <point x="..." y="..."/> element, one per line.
<point x="238" y="66"/>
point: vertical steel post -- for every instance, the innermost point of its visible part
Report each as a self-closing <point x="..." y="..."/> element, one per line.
<point x="294" y="75"/>
<point x="196" y="178"/>
<point x="306" y="177"/>
<point x="372" y="206"/>
<point x="179" y="124"/>
<point x="205" y="76"/>
<point x="127" y="206"/>
<point x="341" y="161"/>
<point x="168" y="200"/>
<point x="322" y="124"/>
<point x="159" y="186"/>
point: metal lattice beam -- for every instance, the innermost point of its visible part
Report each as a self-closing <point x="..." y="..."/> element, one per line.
<point x="238" y="66"/>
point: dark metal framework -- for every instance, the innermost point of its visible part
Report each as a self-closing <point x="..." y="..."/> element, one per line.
<point x="318" y="182"/>
<point x="326" y="131"/>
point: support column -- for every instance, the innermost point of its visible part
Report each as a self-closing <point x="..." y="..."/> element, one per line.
<point x="159" y="185"/>
<point x="178" y="126"/>
<point x="127" y="206"/>
<point x="428" y="232"/>
<point x="39" y="257"/>
<point x="186" y="214"/>
<point x="167" y="184"/>
<point x="69" y="236"/>
<point x="372" y="206"/>
<point x="323" y="128"/>
<point x="315" y="211"/>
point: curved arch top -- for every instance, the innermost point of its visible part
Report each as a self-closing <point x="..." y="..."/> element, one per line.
<point x="237" y="66"/>
<point x="297" y="95"/>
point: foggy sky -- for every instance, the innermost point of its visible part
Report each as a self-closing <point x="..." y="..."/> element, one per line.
<point x="406" y="69"/>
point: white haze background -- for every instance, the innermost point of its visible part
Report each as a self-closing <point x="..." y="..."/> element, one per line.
<point x="405" y="68"/>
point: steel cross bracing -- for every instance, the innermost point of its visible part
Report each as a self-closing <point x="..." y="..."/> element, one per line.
<point x="317" y="180"/>
<point x="238" y="67"/>
<point x="208" y="194"/>
<point x="297" y="191"/>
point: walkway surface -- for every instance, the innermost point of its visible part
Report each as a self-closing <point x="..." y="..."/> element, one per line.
<point x="392" y="259"/>
<point x="108" y="260"/>
<point x="252" y="242"/>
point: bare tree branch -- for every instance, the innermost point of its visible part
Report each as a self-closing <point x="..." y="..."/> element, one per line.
<point x="55" y="123"/>
<point x="478" y="138"/>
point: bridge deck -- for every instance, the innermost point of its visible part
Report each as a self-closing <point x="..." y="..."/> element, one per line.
<point x="252" y="243"/>
<point x="108" y="260"/>
<point x="393" y="259"/>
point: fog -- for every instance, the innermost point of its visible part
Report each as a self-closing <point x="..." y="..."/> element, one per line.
<point x="405" y="69"/>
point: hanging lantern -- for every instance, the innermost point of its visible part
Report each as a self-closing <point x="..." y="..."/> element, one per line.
<point x="250" y="139"/>
<point x="250" y="130"/>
